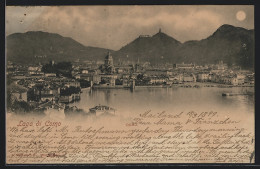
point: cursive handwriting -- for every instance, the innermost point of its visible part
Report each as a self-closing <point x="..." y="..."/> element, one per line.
<point x="150" y="137"/>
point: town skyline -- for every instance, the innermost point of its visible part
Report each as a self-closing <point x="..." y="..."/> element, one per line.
<point x="114" y="26"/>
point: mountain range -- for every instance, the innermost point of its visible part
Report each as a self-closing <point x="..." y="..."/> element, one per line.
<point x="34" y="47"/>
<point x="230" y="44"/>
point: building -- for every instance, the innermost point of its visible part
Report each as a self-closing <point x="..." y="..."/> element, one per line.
<point x="72" y="83"/>
<point x="157" y="72"/>
<point x="144" y="36"/>
<point x="87" y="77"/>
<point x="220" y="67"/>
<point x="50" y="74"/>
<point x="230" y="79"/>
<point x="84" y="71"/>
<point x="108" y="80"/>
<point x="47" y="97"/>
<point x="69" y="98"/>
<point x="34" y="70"/>
<point x="158" y="80"/>
<point x="96" y="79"/>
<point x="108" y="66"/>
<point x="20" y="96"/>
<point x="184" y="66"/>
<point x="123" y="69"/>
<point x="66" y="99"/>
<point x="189" y="78"/>
<point x="240" y="78"/>
<point x="203" y="77"/>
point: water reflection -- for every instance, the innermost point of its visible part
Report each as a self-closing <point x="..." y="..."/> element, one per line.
<point x="169" y="99"/>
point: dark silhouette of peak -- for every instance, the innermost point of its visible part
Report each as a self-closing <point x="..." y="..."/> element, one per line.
<point x="149" y="48"/>
<point x="40" y="33"/>
<point x="226" y="27"/>
<point x="34" y="34"/>
<point x="232" y="45"/>
<point x="38" y="46"/>
<point x="161" y="34"/>
<point x="229" y="30"/>
<point x="164" y="37"/>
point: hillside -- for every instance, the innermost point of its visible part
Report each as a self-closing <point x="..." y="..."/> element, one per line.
<point x="232" y="45"/>
<point x="34" y="47"/>
<point x="159" y="47"/>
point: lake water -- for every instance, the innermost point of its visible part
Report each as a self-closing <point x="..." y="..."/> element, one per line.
<point x="175" y="99"/>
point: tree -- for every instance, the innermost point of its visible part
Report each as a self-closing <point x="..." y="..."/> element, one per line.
<point x="84" y="83"/>
<point x="119" y="82"/>
<point x="21" y="107"/>
<point x="140" y="77"/>
<point x="63" y="68"/>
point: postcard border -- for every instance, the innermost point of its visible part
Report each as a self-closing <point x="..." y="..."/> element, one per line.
<point x="122" y="2"/>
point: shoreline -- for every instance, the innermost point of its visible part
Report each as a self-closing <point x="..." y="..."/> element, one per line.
<point x="210" y="84"/>
<point x="111" y="87"/>
<point x="184" y="85"/>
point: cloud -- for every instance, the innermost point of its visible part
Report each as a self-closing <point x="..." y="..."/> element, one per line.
<point x="20" y="18"/>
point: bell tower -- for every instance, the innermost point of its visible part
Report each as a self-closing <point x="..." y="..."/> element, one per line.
<point x="109" y="66"/>
<point x="109" y="59"/>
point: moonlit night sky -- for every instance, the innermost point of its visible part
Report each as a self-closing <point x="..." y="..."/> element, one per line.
<point x="115" y="26"/>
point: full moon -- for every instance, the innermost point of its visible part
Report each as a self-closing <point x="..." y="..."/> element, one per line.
<point x="241" y="15"/>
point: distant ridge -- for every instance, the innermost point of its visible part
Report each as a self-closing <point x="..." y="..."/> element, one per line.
<point x="38" y="46"/>
<point x="233" y="45"/>
<point x="152" y="48"/>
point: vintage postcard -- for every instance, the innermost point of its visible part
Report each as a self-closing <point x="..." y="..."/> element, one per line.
<point x="130" y="84"/>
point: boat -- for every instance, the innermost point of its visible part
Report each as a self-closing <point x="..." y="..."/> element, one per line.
<point x="237" y="94"/>
<point x="102" y="110"/>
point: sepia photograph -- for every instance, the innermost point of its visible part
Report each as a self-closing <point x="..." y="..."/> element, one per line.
<point x="130" y="84"/>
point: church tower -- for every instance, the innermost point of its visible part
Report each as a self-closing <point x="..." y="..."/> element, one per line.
<point x="108" y="60"/>
<point x="109" y="66"/>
